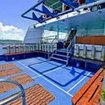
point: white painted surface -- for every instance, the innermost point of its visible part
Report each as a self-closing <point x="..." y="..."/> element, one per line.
<point x="97" y="53"/>
<point x="33" y="35"/>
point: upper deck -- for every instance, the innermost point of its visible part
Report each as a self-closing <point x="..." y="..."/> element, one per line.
<point x="46" y="12"/>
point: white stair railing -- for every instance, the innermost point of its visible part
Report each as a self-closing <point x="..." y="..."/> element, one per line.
<point x="70" y="49"/>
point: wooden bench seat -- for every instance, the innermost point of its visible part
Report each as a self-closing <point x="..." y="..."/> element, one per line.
<point x="89" y="94"/>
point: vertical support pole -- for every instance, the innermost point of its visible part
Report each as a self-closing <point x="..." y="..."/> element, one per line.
<point x="63" y="7"/>
<point x="104" y="27"/>
<point x="48" y="49"/>
<point x="57" y="30"/>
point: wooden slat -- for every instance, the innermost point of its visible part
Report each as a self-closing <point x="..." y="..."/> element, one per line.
<point x="7" y="66"/>
<point x="22" y="79"/>
<point x="91" y="91"/>
<point x="85" y="92"/>
<point x="96" y="98"/>
<point x="85" y="88"/>
<point x="92" y="40"/>
<point x="36" y="95"/>
<point x="9" y="72"/>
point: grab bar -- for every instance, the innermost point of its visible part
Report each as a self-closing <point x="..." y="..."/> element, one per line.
<point x="15" y="96"/>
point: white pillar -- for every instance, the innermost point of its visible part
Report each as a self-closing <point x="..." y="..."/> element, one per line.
<point x="104" y="27"/>
<point x="58" y="29"/>
<point x="63" y="6"/>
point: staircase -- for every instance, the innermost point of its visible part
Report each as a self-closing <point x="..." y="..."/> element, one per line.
<point x="64" y="54"/>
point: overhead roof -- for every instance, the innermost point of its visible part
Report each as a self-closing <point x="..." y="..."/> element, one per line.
<point x="55" y="4"/>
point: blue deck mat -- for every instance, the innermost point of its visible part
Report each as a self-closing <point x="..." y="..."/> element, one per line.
<point x="42" y="59"/>
<point x="67" y="78"/>
<point x="43" y="67"/>
<point x="31" y="61"/>
<point x="61" y="98"/>
<point x="78" y="86"/>
<point x="26" y="69"/>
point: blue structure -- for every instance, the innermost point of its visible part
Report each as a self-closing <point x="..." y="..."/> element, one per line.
<point x="71" y="4"/>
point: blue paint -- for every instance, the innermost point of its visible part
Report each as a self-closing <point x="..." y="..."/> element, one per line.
<point x="90" y="1"/>
<point x="34" y="17"/>
<point x="75" y="62"/>
<point x="45" y="10"/>
<point x="60" y="78"/>
<point x="64" y="79"/>
<point x="26" y="70"/>
<point x="31" y="61"/>
<point x="60" y="97"/>
<point x="42" y="59"/>
<point x="20" y="56"/>
<point x="79" y="86"/>
<point x="2" y="57"/>
<point x="43" y="67"/>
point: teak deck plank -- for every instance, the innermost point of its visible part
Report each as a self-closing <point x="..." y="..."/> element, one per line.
<point x="35" y="95"/>
<point x="22" y="79"/>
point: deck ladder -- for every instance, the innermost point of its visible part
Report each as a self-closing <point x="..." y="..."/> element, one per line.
<point x="67" y="51"/>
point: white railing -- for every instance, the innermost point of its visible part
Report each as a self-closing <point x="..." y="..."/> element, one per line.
<point x="46" y="44"/>
<point x="53" y="46"/>
<point x="70" y="48"/>
<point x="29" y="48"/>
<point x="95" y="52"/>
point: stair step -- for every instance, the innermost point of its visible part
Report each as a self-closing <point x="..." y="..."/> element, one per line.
<point x="62" y="50"/>
<point x="59" y="55"/>
<point x="58" y="59"/>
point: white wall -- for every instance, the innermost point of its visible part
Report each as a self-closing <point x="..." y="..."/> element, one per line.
<point x="33" y="35"/>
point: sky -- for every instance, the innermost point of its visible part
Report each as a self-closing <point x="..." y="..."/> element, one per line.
<point x="12" y="25"/>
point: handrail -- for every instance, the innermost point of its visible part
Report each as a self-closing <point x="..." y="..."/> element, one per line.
<point x="56" y="37"/>
<point x="16" y="96"/>
<point x="48" y="38"/>
<point x="70" y="46"/>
